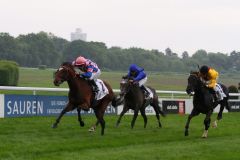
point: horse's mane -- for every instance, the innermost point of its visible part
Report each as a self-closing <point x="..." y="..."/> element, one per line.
<point x="194" y="73"/>
<point x="67" y="64"/>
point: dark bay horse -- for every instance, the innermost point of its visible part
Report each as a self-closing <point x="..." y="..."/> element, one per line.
<point x="80" y="95"/>
<point x="203" y="101"/>
<point x="134" y="99"/>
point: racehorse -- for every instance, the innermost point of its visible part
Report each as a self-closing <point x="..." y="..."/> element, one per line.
<point x="134" y="99"/>
<point x="80" y="95"/>
<point x="204" y="101"/>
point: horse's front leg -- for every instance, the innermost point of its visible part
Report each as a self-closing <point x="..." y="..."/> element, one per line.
<point x="134" y="117"/>
<point x="207" y="122"/>
<point x="193" y="113"/>
<point x="79" y="117"/>
<point x="125" y="109"/>
<point x="69" y="107"/>
<point x="142" y="110"/>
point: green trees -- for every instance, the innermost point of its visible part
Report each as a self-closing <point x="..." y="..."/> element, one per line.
<point x="34" y="50"/>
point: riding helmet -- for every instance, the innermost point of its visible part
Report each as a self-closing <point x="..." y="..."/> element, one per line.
<point x="80" y="61"/>
<point x="204" y="69"/>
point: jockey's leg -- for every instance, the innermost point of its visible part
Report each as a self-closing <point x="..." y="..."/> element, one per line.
<point x="145" y="90"/>
<point x="141" y="85"/>
<point x="219" y="93"/>
<point x="95" y="87"/>
<point x="93" y="79"/>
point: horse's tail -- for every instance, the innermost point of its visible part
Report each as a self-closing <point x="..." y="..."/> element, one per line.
<point x="226" y="90"/>
<point x="161" y="112"/>
<point x="156" y="101"/>
<point x="117" y="100"/>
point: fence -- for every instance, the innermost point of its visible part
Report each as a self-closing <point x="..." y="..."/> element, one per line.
<point x="35" y="89"/>
<point x="31" y="105"/>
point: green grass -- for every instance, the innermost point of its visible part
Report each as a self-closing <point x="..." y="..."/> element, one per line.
<point x="33" y="139"/>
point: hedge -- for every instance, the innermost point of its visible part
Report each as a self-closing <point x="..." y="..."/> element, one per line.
<point x="9" y="73"/>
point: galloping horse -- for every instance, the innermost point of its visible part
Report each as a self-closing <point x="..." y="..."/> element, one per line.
<point x="80" y="95"/>
<point x="134" y="99"/>
<point x="203" y="101"/>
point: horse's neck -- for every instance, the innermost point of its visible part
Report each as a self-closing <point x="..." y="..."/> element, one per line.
<point x="75" y="84"/>
<point x="201" y="93"/>
<point x="133" y="92"/>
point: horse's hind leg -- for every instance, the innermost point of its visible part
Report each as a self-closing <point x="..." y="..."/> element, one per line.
<point x="144" y="116"/>
<point x="219" y="116"/>
<point x="207" y="122"/>
<point x="80" y="118"/>
<point x="68" y="108"/>
<point x="157" y="111"/>
<point x="99" y="114"/>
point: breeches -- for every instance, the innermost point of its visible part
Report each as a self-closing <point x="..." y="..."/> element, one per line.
<point x="95" y="75"/>
<point x="142" y="81"/>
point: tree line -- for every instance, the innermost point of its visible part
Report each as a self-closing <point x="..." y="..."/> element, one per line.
<point x="34" y="49"/>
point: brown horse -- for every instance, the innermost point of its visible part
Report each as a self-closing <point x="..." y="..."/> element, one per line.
<point x="80" y="95"/>
<point x="134" y="98"/>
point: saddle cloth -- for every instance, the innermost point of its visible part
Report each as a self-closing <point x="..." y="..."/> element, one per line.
<point x="151" y="93"/>
<point x="103" y="91"/>
<point x="219" y="88"/>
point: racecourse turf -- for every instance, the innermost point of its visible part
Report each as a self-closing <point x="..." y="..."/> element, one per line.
<point x="34" y="139"/>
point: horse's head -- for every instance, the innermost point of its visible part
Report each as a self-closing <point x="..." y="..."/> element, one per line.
<point x="126" y="85"/>
<point x="64" y="73"/>
<point x="193" y="82"/>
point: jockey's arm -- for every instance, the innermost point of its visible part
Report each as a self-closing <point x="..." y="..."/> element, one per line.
<point x="140" y="76"/>
<point x="212" y="83"/>
<point x="88" y="74"/>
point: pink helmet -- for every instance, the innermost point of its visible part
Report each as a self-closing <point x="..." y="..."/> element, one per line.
<point x="80" y="61"/>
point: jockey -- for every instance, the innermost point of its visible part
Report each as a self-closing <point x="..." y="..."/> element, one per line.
<point x="209" y="77"/>
<point x="139" y="76"/>
<point x="90" y="69"/>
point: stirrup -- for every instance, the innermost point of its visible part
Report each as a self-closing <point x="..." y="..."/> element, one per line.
<point x="95" y="89"/>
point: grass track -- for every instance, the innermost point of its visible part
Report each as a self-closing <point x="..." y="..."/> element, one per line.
<point x="32" y="138"/>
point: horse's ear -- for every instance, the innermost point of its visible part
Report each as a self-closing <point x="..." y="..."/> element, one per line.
<point x="198" y="67"/>
<point x="192" y="72"/>
<point x="66" y="64"/>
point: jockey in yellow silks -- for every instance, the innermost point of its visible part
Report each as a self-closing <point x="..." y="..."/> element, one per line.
<point x="209" y="77"/>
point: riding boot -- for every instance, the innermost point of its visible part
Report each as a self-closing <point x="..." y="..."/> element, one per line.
<point x="95" y="87"/>
<point x="219" y="96"/>
<point x="145" y="90"/>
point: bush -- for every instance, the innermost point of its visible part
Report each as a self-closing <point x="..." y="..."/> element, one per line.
<point x="42" y="67"/>
<point x="9" y="73"/>
<point x="233" y="89"/>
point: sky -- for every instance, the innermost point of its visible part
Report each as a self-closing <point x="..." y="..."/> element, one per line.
<point x="182" y="25"/>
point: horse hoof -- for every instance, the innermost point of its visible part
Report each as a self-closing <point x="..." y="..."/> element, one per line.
<point x="92" y="129"/>
<point x="159" y="125"/>
<point x="82" y="124"/>
<point x="205" y="134"/>
<point x="54" y="125"/>
<point x="214" y="125"/>
<point x="186" y="133"/>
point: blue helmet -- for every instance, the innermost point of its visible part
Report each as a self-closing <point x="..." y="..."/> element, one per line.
<point x="133" y="67"/>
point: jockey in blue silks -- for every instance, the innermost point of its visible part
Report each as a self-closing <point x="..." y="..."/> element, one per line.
<point x="138" y="76"/>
